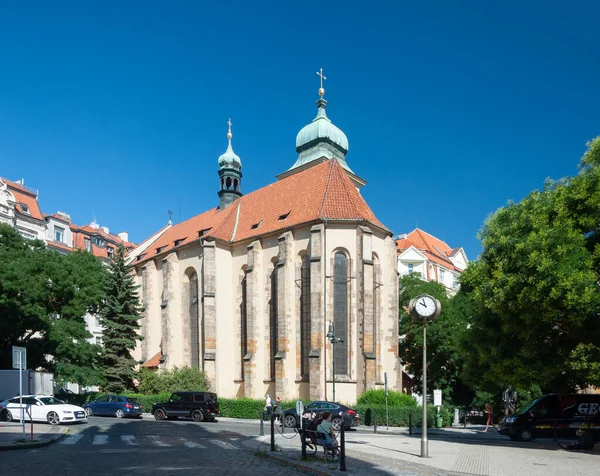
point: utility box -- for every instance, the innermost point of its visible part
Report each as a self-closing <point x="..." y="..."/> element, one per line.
<point x="34" y="382"/>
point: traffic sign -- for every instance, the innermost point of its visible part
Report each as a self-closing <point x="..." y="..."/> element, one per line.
<point x="19" y="357"/>
<point x="299" y="407"/>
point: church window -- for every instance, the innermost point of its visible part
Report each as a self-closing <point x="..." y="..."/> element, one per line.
<point x="273" y="323"/>
<point x="256" y="225"/>
<point x="159" y="249"/>
<point x="284" y="216"/>
<point x="222" y="183"/>
<point x="305" y="333"/>
<point x="228" y="183"/>
<point x="178" y="242"/>
<point x="193" y="313"/>
<point x="376" y="294"/>
<point x="235" y="184"/>
<point x="340" y="312"/>
<point x="203" y="232"/>
<point x="243" y="325"/>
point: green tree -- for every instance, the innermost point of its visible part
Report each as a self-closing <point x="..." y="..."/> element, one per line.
<point x="44" y="297"/>
<point x="120" y="311"/>
<point x="443" y="338"/>
<point x="535" y="288"/>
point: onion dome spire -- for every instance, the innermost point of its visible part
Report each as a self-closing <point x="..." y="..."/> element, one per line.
<point x="230" y="173"/>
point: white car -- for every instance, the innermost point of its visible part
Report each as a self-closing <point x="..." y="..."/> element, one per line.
<point x="41" y="408"/>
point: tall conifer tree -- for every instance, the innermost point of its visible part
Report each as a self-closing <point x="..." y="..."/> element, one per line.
<point x="120" y="318"/>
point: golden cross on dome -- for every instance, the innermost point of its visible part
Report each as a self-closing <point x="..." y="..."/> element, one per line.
<point x="320" y="73"/>
<point x="229" y="124"/>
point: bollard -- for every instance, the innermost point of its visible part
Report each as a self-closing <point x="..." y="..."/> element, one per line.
<point x="410" y="423"/>
<point x="303" y="441"/>
<point x="261" y="431"/>
<point x="272" y="431"/>
<point x="343" y="449"/>
<point x="465" y="419"/>
<point x="375" y="423"/>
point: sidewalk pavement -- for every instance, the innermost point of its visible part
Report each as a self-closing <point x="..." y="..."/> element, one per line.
<point x="482" y="454"/>
<point x="11" y="435"/>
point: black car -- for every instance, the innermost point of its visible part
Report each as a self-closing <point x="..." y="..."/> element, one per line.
<point x="199" y="406"/>
<point x="350" y="416"/>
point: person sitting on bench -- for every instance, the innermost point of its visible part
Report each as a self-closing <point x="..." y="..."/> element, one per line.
<point x="325" y="428"/>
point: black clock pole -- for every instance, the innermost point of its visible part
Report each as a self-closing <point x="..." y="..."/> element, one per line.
<point x="424" y="442"/>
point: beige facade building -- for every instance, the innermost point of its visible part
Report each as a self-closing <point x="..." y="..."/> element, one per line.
<point x="248" y="290"/>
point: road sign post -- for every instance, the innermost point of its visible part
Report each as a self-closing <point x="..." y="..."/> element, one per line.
<point x="19" y="359"/>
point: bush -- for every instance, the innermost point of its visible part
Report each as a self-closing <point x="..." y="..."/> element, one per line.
<point x="377" y="397"/>
<point x="183" y="378"/>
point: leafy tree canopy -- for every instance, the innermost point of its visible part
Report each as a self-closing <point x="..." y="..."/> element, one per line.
<point x="443" y="338"/>
<point x="535" y="288"/>
<point x="44" y="297"/>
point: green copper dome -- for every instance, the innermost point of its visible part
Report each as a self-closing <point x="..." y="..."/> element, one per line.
<point x="229" y="160"/>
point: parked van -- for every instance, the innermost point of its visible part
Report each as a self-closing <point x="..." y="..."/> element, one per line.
<point x="555" y="415"/>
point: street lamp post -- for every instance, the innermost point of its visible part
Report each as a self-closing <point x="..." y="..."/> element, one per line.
<point x="334" y="340"/>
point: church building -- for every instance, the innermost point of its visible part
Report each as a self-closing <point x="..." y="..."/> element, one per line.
<point x="249" y="290"/>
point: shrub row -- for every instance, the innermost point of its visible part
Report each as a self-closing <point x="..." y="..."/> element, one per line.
<point x="401" y="416"/>
<point x="377" y="397"/>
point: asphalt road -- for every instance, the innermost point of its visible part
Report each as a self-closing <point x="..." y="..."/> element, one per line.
<point x="110" y="446"/>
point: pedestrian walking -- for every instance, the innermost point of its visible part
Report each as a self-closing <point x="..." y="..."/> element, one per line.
<point x="269" y="405"/>
<point x="489" y="410"/>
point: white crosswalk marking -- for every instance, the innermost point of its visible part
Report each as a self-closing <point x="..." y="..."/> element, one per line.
<point x="191" y="444"/>
<point x="224" y="444"/>
<point x="129" y="439"/>
<point x="100" y="440"/>
<point x="157" y="442"/>
<point x="71" y="439"/>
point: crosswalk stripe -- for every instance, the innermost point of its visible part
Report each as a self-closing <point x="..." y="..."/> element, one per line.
<point x="157" y="442"/>
<point x="100" y="440"/>
<point x="71" y="439"/>
<point x="191" y="444"/>
<point x="224" y="444"/>
<point x="129" y="439"/>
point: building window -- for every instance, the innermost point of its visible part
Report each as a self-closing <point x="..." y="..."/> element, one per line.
<point x="305" y="316"/>
<point x="110" y="251"/>
<point x="243" y="327"/>
<point x="273" y="323"/>
<point x="88" y="245"/>
<point x="410" y="268"/>
<point x="98" y="241"/>
<point x="25" y="209"/>
<point x="454" y="281"/>
<point x="98" y="340"/>
<point x="340" y="312"/>
<point x="442" y="275"/>
<point x="59" y="234"/>
<point x="194" y="328"/>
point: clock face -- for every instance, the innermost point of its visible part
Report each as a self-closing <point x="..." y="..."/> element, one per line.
<point x="425" y="306"/>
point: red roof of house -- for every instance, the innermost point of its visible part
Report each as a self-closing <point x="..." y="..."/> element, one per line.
<point x="153" y="362"/>
<point x="27" y="197"/>
<point x="435" y="249"/>
<point x="80" y="233"/>
<point x="323" y="191"/>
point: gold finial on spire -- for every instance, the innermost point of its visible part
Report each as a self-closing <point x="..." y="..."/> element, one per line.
<point x="229" y="134"/>
<point x="321" y="89"/>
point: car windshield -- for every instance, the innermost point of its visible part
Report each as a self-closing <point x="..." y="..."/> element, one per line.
<point x="525" y="408"/>
<point x="50" y="401"/>
<point x="132" y="400"/>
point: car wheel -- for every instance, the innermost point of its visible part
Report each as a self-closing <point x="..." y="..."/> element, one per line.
<point x="6" y="416"/>
<point x="197" y="415"/>
<point x="525" y="434"/>
<point x="53" y="418"/>
<point x="159" y="414"/>
<point x="88" y="411"/>
<point x="290" y="421"/>
<point x="337" y="424"/>
<point x="119" y="413"/>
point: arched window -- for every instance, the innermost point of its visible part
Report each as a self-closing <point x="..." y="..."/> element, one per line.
<point x="193" y="313"/>
<point x="243" y="326"/>
<point x="305" y="316"/>
<point x="273" y="323"/>
<point x="376" y="295"/>
<point x="235" y="184"/>
<point x="340" y="312"/>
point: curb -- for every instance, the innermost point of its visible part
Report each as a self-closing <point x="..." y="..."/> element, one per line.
<point x="29" y="446"/>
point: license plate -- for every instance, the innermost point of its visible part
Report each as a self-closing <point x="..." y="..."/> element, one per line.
<point x="136" y="407"/>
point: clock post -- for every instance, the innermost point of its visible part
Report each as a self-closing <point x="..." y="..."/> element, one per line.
<point x="424" y="308"/>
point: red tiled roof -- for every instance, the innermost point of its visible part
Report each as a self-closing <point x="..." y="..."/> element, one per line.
<point x="435" y="249"/>
<point x="86" y="231"/>
<point x="60" y="246"/>
<point x="153" y="362"/>
<point x="23" y="195"/>
<point x="323" y="191"/>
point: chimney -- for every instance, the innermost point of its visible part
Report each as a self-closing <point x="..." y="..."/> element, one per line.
<point x="124" y="236"/>
<point x="94" y="225"/>
<point x="402" y="236"/>
<point x="105" y="229"/>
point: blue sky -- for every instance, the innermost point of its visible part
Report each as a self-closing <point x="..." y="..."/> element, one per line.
<point x="119" y="109"/>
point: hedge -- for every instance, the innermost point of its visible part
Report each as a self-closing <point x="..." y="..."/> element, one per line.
<point x="399" y="416"/>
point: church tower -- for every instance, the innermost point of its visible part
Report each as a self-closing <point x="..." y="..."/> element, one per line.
<point x="230" y="175"/>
